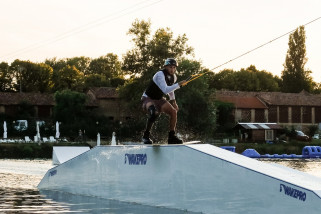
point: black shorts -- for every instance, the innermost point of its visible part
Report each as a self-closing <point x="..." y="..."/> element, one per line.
<point x="157" y="103"/>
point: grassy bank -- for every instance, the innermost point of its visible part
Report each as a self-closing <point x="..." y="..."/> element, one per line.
<point x="30" y="150"/>
<point x="44" y="150"/>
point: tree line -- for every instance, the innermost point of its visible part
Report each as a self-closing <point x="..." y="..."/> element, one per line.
<point x="146" y="57"/>
<point x="134" y="71"/>
<point x="77" y="74"/>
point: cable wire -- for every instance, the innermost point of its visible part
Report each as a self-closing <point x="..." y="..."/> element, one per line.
<point x="196" y="76"/>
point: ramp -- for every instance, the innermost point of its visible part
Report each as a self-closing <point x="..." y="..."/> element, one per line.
<point x="61" y="154"/>
<point x="200" y="178"/>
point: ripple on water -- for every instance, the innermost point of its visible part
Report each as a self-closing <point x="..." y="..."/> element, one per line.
<point x="28" y="201"/>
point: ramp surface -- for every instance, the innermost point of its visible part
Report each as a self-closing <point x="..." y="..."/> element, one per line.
<point x="200" y="178"/>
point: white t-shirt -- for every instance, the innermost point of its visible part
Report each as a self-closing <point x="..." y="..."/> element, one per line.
<point x="159" y="80"/>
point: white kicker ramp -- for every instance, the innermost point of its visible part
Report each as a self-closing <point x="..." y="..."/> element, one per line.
<point x="200" y="178"/>
<point x="61" y="154"/>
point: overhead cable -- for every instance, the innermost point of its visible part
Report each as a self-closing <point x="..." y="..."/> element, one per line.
<point x="89" y="25"/>
<point x="196" y="76"/>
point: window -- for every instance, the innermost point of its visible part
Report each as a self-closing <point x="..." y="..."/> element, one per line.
<point x="307" y="117"/>
<point x="273" y="114"/>
<point x="269" y="135"/>
<point x="259" y="115"/>
<point x="283" y="114"/>
<point x="296" y="114"/>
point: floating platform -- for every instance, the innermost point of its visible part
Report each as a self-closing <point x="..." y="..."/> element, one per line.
<point x="307" y="153"/>
<point x="199" y="178"/>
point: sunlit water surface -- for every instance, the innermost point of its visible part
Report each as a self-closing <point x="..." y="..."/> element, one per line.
<point x="19" y="193"/>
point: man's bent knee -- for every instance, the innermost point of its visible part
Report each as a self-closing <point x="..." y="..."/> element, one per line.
<point x="152" y="113"/>
<point x="173" y="113"/>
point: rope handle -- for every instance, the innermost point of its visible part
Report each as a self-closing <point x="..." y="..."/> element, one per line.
<point x="192" y="77"/>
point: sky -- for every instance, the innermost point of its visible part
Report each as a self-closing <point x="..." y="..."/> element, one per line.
<point x="218" y="30"/>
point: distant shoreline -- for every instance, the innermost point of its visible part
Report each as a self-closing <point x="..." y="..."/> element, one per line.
<point x="30" y="150"/>
<point x="44" y="150"/>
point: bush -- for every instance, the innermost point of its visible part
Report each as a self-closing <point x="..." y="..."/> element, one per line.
<point x="312" y="130"/>
<point x="27" y="151"/>
<point x="30" y="151"/>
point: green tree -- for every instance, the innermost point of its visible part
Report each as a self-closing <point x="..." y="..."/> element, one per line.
<point x="150" y="51"/>
<point x="249" y="79"/>
<point x="108" y="66"/>
<point x="105" y="71"/>
<point x="268" y="82"/>
<point x="56" y="64"/>
<point x="70" y="110"/>
<point x="69" y="73"/>
<point x="5" y="78"/>
<point x="222" y="80"/>
<point x="198" y="111"/>
<point x="96" y="80"/>
<point x="295" y="77"/>
<point x="225" y="120"/>
<point x="42" y="82"/>
<point x="117" y="81"/>
<point x="70" y="105"/>
<point x="246" y="80"/>
<point x="68" y="77"/>
<point x="317" y="88"/>
<point x="85" y="72"/>
<point x="31" y="77"/>
<point x="25" y="110"/>
<point x="81" y="63"/>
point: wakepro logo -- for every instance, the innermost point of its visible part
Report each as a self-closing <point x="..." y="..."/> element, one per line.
<point x="135" y="159"/>
<point x="292" y="192"/>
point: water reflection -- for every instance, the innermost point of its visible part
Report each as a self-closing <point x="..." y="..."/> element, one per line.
<point x="310" y="166"/>
<point x="45" y="201"/>
<point x="86" y="204"/>
<point x="28" y="201"/>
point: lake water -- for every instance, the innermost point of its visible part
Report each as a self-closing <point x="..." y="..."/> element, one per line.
<point x="19" y="193"/>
